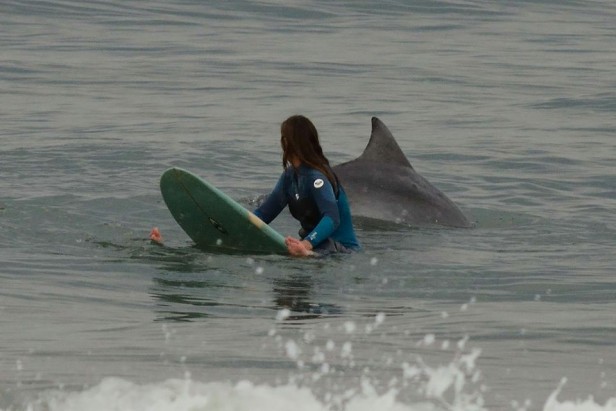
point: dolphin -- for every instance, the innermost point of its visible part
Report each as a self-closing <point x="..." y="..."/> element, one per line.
<point x="381" y="184"/>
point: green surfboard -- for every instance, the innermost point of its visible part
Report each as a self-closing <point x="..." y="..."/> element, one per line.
<point x="213" y="220"/>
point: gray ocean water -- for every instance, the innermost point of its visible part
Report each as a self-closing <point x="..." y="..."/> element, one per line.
<point x="509" y="107"/>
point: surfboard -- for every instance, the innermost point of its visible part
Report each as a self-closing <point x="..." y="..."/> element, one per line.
<point x="213" y="220"/>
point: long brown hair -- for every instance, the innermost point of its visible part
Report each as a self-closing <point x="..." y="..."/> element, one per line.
<point x="299" y="139"/>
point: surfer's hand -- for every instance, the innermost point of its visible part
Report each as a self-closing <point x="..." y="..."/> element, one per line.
<point x="298" y="248"/>
<point x="155" y="236"/>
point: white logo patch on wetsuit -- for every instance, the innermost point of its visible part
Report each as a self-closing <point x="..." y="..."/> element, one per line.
<point x="318" y="183"/>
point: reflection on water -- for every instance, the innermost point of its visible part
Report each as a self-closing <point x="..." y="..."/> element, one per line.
<point x="191" y="284"/>
<point x="171" y="293"/>
<point x="295" y="294"/>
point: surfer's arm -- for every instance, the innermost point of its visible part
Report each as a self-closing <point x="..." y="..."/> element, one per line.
<point x="325" y="199"/>
<point x="274" y="203"/>
<point x="321" y="232"/>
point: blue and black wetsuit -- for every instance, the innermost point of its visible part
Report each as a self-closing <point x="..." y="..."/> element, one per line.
<point x="325" y="215"/>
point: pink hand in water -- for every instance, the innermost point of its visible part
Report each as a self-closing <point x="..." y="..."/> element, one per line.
<point x="156" y="236"/>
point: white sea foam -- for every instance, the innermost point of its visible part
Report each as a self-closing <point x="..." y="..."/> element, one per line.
<point x="178" y="395"/>
<point x="453" y="386"/>
<point x="188" y="395"/>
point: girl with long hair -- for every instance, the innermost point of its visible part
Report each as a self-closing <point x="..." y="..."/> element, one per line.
<point x="313" y="193"/>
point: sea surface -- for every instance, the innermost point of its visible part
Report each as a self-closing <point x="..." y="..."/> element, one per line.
<point x="509" y="107"/>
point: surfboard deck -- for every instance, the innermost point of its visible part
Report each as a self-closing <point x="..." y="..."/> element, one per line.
<point x="213" y="220"/>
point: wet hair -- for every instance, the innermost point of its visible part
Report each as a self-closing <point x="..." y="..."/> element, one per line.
<point x="299" y="139"/>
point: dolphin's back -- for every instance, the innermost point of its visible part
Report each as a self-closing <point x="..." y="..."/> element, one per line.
<point x="382" y="184"/>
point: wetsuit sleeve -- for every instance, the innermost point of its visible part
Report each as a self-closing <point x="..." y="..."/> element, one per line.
<point x="274" y="203"/>
<point x="325" y="199"/>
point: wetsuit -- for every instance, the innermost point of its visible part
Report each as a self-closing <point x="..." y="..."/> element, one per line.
<point x="325" y="215"/>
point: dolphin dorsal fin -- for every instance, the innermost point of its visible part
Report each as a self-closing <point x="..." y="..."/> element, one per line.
<point x="383" y="147"/>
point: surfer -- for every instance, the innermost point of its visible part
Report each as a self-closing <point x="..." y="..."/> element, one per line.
<point x="313" y="193"/>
